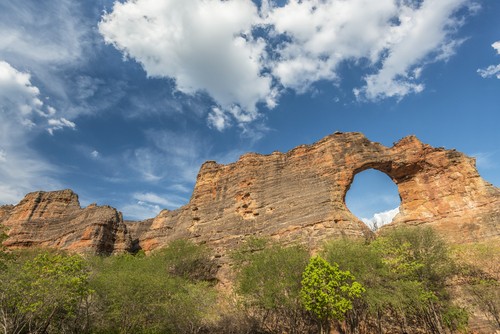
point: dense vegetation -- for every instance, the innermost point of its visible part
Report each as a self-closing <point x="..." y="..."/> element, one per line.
<point x="398" y="283"/>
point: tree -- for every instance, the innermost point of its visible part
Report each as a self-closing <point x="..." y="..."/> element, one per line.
<point x="366" y="265"/>
<point x="328" y="292"/>
<point x="160" y="293"/>
<point x="418" y="267"/>
<point x="45" y="294"/>
<point x="268" y="279"/>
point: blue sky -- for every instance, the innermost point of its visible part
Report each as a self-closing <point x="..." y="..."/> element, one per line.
<point x="122" y="102"/>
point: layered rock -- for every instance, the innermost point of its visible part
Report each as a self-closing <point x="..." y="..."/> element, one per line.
<point x="299" y="196"/>
<point x="56" y="220"/>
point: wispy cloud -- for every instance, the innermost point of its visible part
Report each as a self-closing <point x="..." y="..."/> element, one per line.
<point x="484" y="160"/>
<point x="23" y="114"/>
<point x="492" y="70"/>
<point x="148" y="204"/>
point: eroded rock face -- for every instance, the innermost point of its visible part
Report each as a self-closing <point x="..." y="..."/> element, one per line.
<point x="56" y="220"/>
<point x="298" y="196"/>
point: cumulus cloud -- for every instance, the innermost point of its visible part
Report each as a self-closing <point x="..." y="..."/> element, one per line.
<point x="380" y="219"/>
<point x="205" y="46"/>
<point x="492" y="70"/>
<point x="21" y="104"/>
<point x="244" y="56"/>
<point x="22" y="114"/>
<point x="420" y="32"/>
<point x="18" y="96"/>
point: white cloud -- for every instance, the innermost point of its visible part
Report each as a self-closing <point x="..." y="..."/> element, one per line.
<point x="484" y="160"/>
<point x="218" y="119"/>
<point x="140" y="210"/>
<point x="18" y="97"/>
<point x="94" y="154"/>
<point x="48" y="32"/>
<point x="496" y="46"/>
<point x="22" y="115"/>
<point x="421" y="32"/>
<point x="210" y="46"/>
<point x="380" y="219"/>
<point x="148" y="205"/>
<point x="21" y="103"/>
<point x="58" y="124"/>
<point x="50" y="40"/>
<point x="166" y="201"/>
<point x="168" y="155"/>
<point x="492" y="70"/>
<point x="205" y="46"/>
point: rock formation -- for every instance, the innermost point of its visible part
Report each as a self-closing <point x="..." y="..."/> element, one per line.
<point x="56" y="220"/>
<point x="298" y="196"/>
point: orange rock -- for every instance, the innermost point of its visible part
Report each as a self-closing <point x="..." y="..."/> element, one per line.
<point x="298" y="196"/>
<point x="56" y="220"/>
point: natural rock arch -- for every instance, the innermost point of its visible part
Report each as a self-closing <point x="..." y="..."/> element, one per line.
<point x="366" y="184"/>
<point x="298" y="196"/>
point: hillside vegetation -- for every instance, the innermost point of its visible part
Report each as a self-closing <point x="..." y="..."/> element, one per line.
<point x="405" y="281"/>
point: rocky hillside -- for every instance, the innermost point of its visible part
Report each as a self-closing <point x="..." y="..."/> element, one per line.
<point x="293" y="196"/>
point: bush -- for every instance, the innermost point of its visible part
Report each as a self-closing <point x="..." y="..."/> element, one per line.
<point x="157" y="293"/>
<point x="47" y="293"/>
<point x="269" y="280"/>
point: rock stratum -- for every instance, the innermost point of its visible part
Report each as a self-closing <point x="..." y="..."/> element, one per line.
<point x="298" y="196"/>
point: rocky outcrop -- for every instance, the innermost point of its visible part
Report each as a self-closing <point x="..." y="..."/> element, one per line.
<point x="56" y="220"/>
<point x="298" y="196"/>
<point x="5" y="211"/>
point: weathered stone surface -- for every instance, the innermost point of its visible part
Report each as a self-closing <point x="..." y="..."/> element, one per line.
<point x="55" y="219"/>
<point x="5" y="211"/>
<point x="296" y="196"/>
<point x="300" y="195"/>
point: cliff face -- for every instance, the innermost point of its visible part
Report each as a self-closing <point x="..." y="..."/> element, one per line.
<point x="55" y="219"/>
<point x="295" y="197"/>
<point x="300" y="195"/>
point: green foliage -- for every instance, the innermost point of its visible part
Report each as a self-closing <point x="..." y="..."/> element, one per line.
<point x="47" y="293"/>
<point x="269" y="279"/>
<point x="397" y="283"/>
<point x="416" y="253"/>
<point x="188" y="260"/>
<point x="328" y="292"/>
<point x="151" y="294"/>
<point x="404" y="272"/>
<point x="485" y="295"/>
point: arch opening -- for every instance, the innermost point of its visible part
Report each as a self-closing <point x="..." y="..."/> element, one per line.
<point x="373" y="198"/>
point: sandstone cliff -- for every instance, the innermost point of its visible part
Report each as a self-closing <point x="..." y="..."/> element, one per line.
<point x="298" y="196"/>
<point x="55" y="219"/>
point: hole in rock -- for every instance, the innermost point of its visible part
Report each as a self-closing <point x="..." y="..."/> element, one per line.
<point x="374" y="198"/>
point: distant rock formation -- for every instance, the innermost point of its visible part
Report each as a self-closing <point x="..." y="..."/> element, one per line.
<point x="297" y="196"/>
<point x="56" y="220"/>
